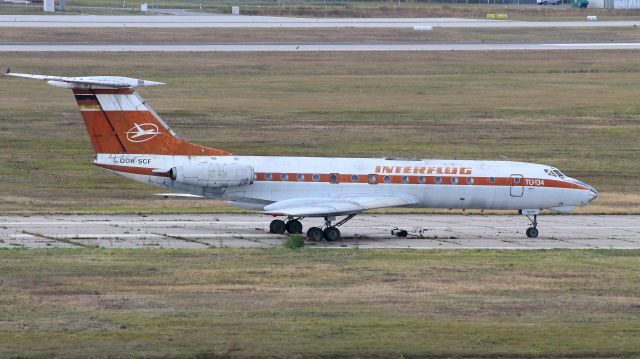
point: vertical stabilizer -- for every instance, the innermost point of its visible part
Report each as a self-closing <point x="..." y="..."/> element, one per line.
<point x="119" y="121"/>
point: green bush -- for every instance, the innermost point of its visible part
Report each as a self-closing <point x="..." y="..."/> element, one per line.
<point x="294" y="242"/>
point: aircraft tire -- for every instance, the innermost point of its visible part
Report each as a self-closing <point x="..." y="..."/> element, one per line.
<point x="532" y="232"/>
<point x="277" y="226"/>
<point x="331" y="234"/>
<point x="314" y="234"/>
<point x="294" y="227"/>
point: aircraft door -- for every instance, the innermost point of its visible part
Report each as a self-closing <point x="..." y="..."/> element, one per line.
<point x="517" y="185"/>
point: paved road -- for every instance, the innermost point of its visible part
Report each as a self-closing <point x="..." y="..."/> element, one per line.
<point x="293" y="47"/>
<point x="243" y="21"/>
<point x="364" y="231"/>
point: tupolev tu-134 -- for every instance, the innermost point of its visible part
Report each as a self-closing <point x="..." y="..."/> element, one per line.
<point x="130" y="139"/>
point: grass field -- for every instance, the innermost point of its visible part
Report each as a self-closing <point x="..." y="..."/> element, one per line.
<point x="364" y="9"/>
<point x="315" y="303"/>
<point x="575" y="110"/>
<point x="439" y="35"/>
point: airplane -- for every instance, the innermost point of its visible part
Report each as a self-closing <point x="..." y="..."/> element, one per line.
<point x="131" y="140"/>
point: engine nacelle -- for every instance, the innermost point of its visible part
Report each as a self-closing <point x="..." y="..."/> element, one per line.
<point x="214" y="176"/>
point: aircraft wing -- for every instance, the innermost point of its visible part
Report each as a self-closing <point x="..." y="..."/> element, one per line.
<point x="320" y="207"/>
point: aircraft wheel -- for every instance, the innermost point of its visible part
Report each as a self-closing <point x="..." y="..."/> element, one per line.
<point x="532" y="232"/>
<point x="294" y="226"/>
<point x="314" y="234"/>
<point x="331" y="234"/>
<point x="277" y="226"/>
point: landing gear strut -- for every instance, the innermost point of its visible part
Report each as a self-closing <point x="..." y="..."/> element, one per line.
<point x="532" y="232"/>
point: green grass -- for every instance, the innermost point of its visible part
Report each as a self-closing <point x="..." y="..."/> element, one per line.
<point x="575" y="110"/>
<point x="318" y="303"/>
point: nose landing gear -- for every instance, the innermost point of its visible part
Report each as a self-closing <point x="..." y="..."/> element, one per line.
<point x="532" y="232"/>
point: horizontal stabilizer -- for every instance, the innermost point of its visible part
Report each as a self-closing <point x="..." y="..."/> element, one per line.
<point x="89" y="82"/>
<point x="177" y="195"/>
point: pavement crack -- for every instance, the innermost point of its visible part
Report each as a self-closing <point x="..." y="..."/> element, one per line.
<point x="63" y="240"/>
<point x="180" y="238"/>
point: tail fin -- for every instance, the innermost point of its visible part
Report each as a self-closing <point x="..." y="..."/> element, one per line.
<point x="118" y="120"/>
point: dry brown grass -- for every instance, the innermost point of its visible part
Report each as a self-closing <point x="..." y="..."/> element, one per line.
<point x="439" y="35"/>
<point x="311" y="303"/>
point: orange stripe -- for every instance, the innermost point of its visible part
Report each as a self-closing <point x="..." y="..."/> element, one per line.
<point x="431" y="180"/>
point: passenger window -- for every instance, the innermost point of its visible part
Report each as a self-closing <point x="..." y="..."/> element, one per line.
<point x="268" y="177"/>
<point x="333" y="178"/>
<point x="469" y="180"/>
<point x="386" y="179"/>
<point x="492" y="180"/>
<point x="438" y="180"/>
<point x="284" y="177"/>
<point x="454" y="180"/>
<point x="405" y="179"/>
<point x="315" y="177"/>
<point x="300" y="177"/>
<point x="355" y="179"/>
<point x="373" y="179"/>
<point x="422" y="179"/>
<point x="516" y="180"/>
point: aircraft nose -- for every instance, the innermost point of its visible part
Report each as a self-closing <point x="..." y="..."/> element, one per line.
<point x="593" y="193"/>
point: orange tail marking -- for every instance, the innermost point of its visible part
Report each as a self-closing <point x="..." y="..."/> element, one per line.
<point x="118" y="121"/>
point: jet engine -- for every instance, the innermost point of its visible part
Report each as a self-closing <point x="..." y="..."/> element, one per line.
<point x="214" y="176"/>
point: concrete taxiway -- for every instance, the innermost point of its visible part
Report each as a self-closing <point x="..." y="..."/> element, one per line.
<point x="313" y="47"/>
<point x="364" y="231"/>
<point x="244" y="21"/>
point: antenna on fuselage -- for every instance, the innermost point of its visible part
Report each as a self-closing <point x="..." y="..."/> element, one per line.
<point x="504" y="157"/>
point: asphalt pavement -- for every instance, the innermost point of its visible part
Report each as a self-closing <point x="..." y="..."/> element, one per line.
<point x="311" y="47"/>
<point x="364" y="231"/>
<point x="248" y="21"/>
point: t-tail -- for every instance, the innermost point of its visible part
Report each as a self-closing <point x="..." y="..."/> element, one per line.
<point x="118" y="120"/>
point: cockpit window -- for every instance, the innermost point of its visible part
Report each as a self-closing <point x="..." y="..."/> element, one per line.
<point x="558" y="173"/>
<point x="553" y="172"/>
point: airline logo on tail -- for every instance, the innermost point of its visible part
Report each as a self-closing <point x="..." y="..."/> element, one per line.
<point x="142" y="133"/>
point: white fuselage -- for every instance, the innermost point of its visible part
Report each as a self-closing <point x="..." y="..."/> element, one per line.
<point x="503" y="185"/>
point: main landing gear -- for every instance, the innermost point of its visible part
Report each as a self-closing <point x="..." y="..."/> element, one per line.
<point x="330" y="232"/>
<point x="292" y="226"/>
